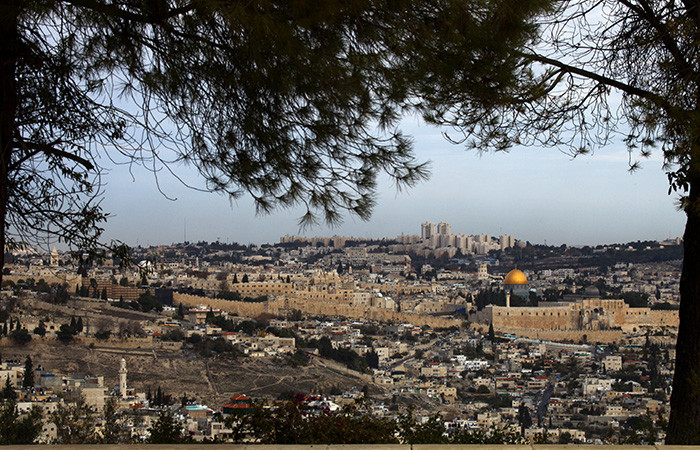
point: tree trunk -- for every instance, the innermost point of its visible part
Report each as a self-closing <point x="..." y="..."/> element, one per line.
<point x="9" y="12"/>
<point x="684" y="424"/>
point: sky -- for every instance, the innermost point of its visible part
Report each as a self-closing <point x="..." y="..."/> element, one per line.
<point x="535" y="194"/>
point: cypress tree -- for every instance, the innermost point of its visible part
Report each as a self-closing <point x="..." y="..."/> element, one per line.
<point x="28" y="379"/>
<point x="8" y="391"/>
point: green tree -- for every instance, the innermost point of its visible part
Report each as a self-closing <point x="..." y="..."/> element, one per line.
<point x="28" y="378"/>
<point x="112" y="433"/>
<point x="430" y="432"/>
<point x="267" y="99"/>
<point x="180" y="314"/>
<point x="295" y="315"/>
<point x="524" y="418"/>
<point x="75" y="423"/>
<point x="293" y="422"/>
<point x="149" y="302"/>
<point x="565" y="438"/>
<point x="16" y="428"/>
<point x="576" y="75"/>
<point x="8" y="391"/>
<point x="20" y="336"/>
<point x="166" y="430"/>
<point x="299" y="358"/>
<point x="372" y="359"/>
<point x="59" y="294"/>
<point x="40" y="329"/>
<point x="65" y="334"/>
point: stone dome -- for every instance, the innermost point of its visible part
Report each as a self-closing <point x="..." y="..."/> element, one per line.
<point x="591" y="291"/>
<point x="515" y="276"/>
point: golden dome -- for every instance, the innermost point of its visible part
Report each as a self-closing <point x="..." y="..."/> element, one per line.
<point x="515" y="276"/>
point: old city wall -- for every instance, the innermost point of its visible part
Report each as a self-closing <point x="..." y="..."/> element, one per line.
<point x="664" y="318"/>
<point x="313" y="307"/>
<point x="567" y="318"/>
<point x="126" y="343"/>
<point x="552" y="318"/>
<point x="361" y="312"/>
<point x="641" y="317"/>
<point x="397" y="289"/>
<point x="320" y="292"/>
<point x="50" y="279"/>
<point x="246" y="309"/>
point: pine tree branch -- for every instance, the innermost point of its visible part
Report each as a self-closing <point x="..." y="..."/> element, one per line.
<point x="607" y="81"/>
<point x="48" y="150"/>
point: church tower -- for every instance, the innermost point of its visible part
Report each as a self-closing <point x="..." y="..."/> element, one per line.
<point x="54" y="258"/>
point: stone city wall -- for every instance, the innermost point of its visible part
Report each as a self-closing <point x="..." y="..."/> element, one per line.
<point x="664" y="318"/>
<point x="127" y="343"/>
<point x="281" y="305"/>
<point x="50" y="279"/>
<point x="360" y="312"/>
<point x="551" y="318"/>
<point x="322" y="293"/>
<point x="246" y="309"/>
<point x="571" y="318"/>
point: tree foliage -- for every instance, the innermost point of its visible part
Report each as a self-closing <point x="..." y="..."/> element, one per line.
<point x="28" y="377"/>
<point x="20" y="336"/>
<point x="577" y="75"/>
<point x="113" y="423"/>
<point x="280" y="100"/>
<point x="274" y="99"/>
<point x="75" y="423"/>
<point x="16" y="428"/>
<point x="295" y="422"/>
<point x="165" y="430"/>
<point x="8" y="391"/>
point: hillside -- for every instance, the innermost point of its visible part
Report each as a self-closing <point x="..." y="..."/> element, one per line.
<point x="213" y="379"/>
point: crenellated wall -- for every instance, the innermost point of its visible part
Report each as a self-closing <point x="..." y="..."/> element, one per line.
<point x="586" y="316"/>
<point x="282" y="304"/>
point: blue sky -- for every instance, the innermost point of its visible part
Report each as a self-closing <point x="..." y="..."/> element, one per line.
<point x="534" y="194"/>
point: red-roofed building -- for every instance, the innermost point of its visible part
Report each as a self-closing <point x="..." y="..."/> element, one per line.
<point x="239" y="403"/>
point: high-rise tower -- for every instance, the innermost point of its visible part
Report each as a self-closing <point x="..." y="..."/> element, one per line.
<point x="444" y="228"/>
<point x="427" y="230"/>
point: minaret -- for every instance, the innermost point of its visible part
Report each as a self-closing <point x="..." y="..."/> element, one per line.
<point x="507" y="299"/>
<point x="122" y="379"/>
